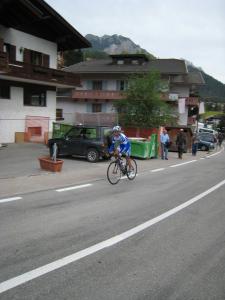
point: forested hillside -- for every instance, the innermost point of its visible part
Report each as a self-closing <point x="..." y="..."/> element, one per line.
<point x="213" y="90"/>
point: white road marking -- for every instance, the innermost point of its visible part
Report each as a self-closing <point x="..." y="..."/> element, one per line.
<point x="28" y="276"/>
<point x="10" y="199"/>
<point x="157" y="170"/>
<point x="185" y="163"/>
<point x="74" y="187"/>
<point x="214" y="154"/>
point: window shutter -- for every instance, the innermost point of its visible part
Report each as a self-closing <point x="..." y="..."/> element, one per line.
<point x="118" y="85"/>
<point x="89" y="84"/>
<point x="89" y="107"/>
<point x="46" y="58"/>
<point x="12" y="53"/>
<point x="1" y="44"/>
<point x="26" y="56"/>
<point x="104" y="85"/>
<point x="104" y="107"/>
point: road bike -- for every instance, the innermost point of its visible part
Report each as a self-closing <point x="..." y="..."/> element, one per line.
<point x="119" y="167"/>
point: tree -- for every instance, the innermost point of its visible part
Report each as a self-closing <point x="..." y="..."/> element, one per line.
<point x="72" y="57"/>
<point x="143" y="106"/>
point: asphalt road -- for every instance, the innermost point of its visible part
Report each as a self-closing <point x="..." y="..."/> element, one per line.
<point x="91" y="235"/>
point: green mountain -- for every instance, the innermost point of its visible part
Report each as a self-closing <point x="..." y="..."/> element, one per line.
<point x="213" y="90"/>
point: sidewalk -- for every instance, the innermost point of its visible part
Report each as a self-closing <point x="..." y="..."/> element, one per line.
<point x="20" y="172"/>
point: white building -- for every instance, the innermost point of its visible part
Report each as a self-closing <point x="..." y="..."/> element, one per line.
<point x="31" y="36"/>
<point x="103" y="80"/>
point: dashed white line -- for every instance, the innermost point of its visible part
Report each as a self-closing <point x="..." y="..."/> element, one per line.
<point x="28" y="276"/>
<point x="10" y="199"/>
<point x="157" y="170"/>
<point x="74" y="187"/>
<point x="185" y="163"/>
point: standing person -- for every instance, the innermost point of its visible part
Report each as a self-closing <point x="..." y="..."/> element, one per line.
<point x="195" y="141"/>
<point x="220" y="139"/>
<point x="164" y="140"/>
<point x="181" y="143"/>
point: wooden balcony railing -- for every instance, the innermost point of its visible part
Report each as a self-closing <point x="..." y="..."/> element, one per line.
<point x="100" y="95"/>
<point x="39" y="73"/>
<point x="192" y="101"/>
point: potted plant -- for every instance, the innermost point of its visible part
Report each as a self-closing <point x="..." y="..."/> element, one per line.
<point x="51" y="163"/>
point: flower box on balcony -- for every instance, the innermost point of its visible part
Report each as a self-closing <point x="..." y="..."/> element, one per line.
<point x="46" y="163"/>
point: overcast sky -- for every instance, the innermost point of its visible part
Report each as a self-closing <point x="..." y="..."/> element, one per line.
<point x="193" y="29"/>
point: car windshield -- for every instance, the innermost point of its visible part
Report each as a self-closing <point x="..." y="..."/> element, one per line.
<point x="206" y="137"/>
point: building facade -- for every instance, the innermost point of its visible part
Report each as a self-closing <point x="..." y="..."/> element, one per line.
<point x="32" y="35"/>
<point x="102" y="82"/>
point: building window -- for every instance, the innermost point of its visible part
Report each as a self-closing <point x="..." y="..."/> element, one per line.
<point x="90" y="133"/>
<point x="121" y="85"/>
<point x="34" y="97"/>
<point x="36" y="58"/>
<point x="59" y="114"/>
<point x="97" y="85"/>
<point x="11" y="51"/>
<point x="4" y="92"/>
<point x="120" y="62"/>
<point x="96" y="107"/>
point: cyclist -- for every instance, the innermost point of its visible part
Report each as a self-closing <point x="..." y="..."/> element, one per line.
<point x="120" y="145"/>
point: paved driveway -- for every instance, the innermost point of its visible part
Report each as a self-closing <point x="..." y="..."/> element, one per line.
<point x="22" y="160"/>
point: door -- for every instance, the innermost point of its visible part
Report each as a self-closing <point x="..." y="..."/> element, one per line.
<point x="73" y="144"/>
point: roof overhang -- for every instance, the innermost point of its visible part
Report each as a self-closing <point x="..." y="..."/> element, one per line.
<point x="37" y="18"/>
<point x="37" y="82"/>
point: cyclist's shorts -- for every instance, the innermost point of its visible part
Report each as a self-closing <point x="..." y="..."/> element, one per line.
<point x="125" y="149"/>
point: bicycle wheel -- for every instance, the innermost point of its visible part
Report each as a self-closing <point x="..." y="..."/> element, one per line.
<point x="132" y="173"/>
<point x="114" y="173"/>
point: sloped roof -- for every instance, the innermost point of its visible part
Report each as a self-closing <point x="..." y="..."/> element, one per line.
<point x="37" y="18"/>
<point x="105" y="66"/>
<point x="190" y="78"/>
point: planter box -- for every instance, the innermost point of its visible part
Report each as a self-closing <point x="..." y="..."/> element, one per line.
<point x="46" y="163"/>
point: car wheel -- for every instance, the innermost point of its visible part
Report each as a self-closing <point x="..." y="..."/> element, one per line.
<point x="92" y="155"/>
<point x="203" y="148"/>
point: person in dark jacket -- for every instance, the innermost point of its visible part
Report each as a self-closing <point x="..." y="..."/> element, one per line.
<point x="181" y="143"/>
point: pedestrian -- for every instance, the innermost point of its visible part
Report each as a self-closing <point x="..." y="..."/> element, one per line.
<point x="165" y="142"/>
<point x="195" y="141"/>
<point x="181" y="143"/>
<point x="220" y="139"/>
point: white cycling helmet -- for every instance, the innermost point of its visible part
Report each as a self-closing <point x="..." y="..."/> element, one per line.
<point x="116" y="128"/>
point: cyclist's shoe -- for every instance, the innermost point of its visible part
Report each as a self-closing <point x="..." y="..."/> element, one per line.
<point x="130" y="171"/>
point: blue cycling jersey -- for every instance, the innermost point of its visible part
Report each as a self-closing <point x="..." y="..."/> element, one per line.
<point x="121" y="143"/>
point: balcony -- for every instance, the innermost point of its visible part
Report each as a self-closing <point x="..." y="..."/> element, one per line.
<point x="192" y="101"/>
<point x="35" y="73"/>
<point x="189" y="101"/>
<point x="100" y="95"/>
<point x="169" y="97"/>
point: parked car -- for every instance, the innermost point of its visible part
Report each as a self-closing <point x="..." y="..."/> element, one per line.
<point x="206" y="136"/>
<point x="207" y="130"/>
<point x="205" y="146"/>
<point x="87" y="141"/>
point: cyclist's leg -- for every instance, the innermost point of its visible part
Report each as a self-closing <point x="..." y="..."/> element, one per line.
<point x="126" y="150"/>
